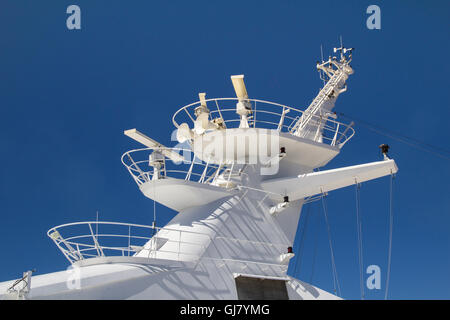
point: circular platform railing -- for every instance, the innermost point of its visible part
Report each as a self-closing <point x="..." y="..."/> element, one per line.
<point x="84" y="240"/>
<point x="93" y="239"/>
<point x="269" y="115"/>
<point x="190" y="169"/>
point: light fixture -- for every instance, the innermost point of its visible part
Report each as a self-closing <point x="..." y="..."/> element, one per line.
<point x="279" y="207"/>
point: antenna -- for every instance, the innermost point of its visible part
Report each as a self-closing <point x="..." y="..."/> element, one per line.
<point x="239" y="87"/>
<point x="344" y="58"/>
<point x="341" y="49"/>
<point x="321" y="53"/>
<point x="322" y="75"/>
<point x="150" y="143"/>
<point x="202" y="97"/>
<point x="243" y="107"/>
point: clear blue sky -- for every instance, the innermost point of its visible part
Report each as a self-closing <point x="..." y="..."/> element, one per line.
<point x="66" y="97"/>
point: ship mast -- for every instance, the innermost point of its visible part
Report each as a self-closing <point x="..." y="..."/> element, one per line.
<point x="239" y="189"/>
<point x="310" y="124"/>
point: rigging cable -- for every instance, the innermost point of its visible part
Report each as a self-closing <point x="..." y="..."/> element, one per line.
<point x="438" y="151"/>
<point x="333" y="264"/>
<point x="316" y="240"/>
<point x="154" y="208"/>
<point x="391" y="224"/>
<point x="150" y="249"/>
<point x="302" y="241"/>
<point x="359" y="232"/>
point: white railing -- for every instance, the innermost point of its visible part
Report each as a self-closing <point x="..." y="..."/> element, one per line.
<point x="191" y="169"/>
<point x="268" y="115"/>
<point x="92" y="239"/>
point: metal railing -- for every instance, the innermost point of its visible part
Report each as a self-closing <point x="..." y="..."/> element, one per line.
<point x="84" y="240"/>
<point x="92" y="239"/>
<point x="269" y="115"/>
<point x="191" y="169"/>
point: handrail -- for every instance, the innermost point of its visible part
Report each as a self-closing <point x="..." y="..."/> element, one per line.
<point x="330" y="129"/>
<point x="67" y="245"/>
<point x="75" y="249"/>
<point x="187" y="170"/>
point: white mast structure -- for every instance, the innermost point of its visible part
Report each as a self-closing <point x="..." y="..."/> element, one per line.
<point x="310" y="125"/>
<point x="238" y="183"/>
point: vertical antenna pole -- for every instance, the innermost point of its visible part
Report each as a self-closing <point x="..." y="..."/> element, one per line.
<point x="321" y="60"/>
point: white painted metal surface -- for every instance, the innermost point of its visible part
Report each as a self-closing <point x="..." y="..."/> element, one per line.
<point x="226" y="222"/>
<point x="310" y="184"/>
